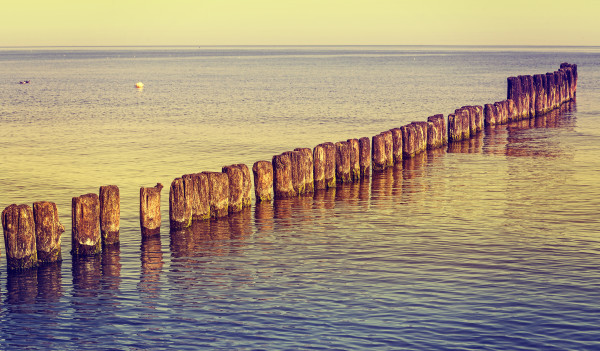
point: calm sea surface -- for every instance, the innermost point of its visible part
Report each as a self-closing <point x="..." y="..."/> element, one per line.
<point x="493" y="243"/>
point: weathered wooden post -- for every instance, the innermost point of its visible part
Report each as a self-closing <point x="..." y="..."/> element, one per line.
<point x="342" y="162"/>
<point x="527" y="83"/>
<point x="247" y="193"/>
<point x="19" y="237"/>
<point x="397" y="145"/>
<point x="471" y="111"/>
<point x="489" y="112"/>
<point x="540" y="98"/>
<point x="354" y="146"/>
<point x="48" y="230"/>
<point x="389" y="148"/>
<point x="379" y="156"/>
<point x="306" y="170"/>
<point x="150" y="218"/>
<point x="218" y="185"/>
<point x="85" y="217"/>
<point x="454" y="128"/>
<point x="549" y="91"/>
<point x="433" y="136"/>
<point x="512" y="110"/>
<point x="514" y="93"/>
<point x="365" y="157"/>
<point x="477" y="113"/>
<point x="236" y="187"/>
<point x="442" y="132"/>
<point x="319" y="167"/>
<point x="501" y="115"/>
<point x="297" y="170"/>
<point x="561" y="87"/>
<point x="422" y="131"/>
<point x="110" y="214"/>
<point x="199" y="197"/>
<point x="430" y="140"/>
<point x="263" y="181"/>
<point x="180" y="208"/>
<point x="282" y="176"/>
<point x="466" y="123"/>
<point x="408" y="141"/>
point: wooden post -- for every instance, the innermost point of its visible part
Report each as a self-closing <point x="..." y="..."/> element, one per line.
<point x="199" y="197"/>
<point x="110" y="214"/>
<point x="421" y="141"/>
<point x="263" y="181"/>
<point x="365" y="157"/>
<point x="354" y="146"/>
<point x="439" y="133"/>
<point x="379" y="156"/>
<point x="397" y="145"/>
<point x="514" y="93"/>
<point x="306" y="169"/>
<point x="247" y="190"/>
<point x="454" y="131"/>
<point x="180" y="208"/>
<point x="501" y="116"/>
<point x="297" y="170"/>
<point x="236" y="187"/>
<point x="19" y="237"/>
<point x="549" y="91"/>
<point x="408" y="141"/>
<point x="330" y="168"/>
<point x="85" y="216"/>
<point x="342" y="162"/>
<point x="319" y="167"/>
<point x="218" y="185"/>
<point x="389" y="148"/>
<point x="490" y="115"/>
<point x="512" y="110"/>
<point x="466" y="123"/>
<point x="540" y="98"/>
<point x="48" y="230"/>
<point x="526" y="90"/>
<point x="282" y="176"/>
<point x="477" y="113"/>
<point x="150" y="218"/>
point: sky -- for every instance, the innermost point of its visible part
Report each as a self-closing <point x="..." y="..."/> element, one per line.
<point x="299" y="22"/>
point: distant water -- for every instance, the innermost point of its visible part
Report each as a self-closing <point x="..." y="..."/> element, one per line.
<point x="490" y="244"/>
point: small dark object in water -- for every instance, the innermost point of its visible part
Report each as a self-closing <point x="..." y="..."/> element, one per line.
<point x="25" y="82"/>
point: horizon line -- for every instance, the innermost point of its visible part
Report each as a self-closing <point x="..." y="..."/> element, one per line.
<point x="294" y="45"/>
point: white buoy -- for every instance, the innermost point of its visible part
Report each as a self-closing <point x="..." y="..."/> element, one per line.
<point x="139" y="85"/>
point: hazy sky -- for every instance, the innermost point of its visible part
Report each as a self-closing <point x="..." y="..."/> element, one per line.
<point x="299" y="22"/>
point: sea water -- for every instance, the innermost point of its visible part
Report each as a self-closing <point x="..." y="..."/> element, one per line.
<point x="490" y="244"/>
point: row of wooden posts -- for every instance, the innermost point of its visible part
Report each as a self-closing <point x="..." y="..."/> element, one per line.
<point x="33" y="235"/>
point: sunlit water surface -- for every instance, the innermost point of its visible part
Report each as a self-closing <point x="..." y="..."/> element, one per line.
<point x="492" y="243"/>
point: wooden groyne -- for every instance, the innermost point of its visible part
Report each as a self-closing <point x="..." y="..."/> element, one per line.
<point x="33" y="235"/>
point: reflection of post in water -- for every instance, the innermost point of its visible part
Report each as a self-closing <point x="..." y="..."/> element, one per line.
<point x="523" y="141"/>
<point x="263" y="216"/>
<point x="325" y="198"/>
<point x="468" y="146"/>
<point x="354" y="193"/>
<point x="87" y="277"/>
<point x="414" y="166"/>
<point x="299" y="208"/>
<point x="49" y="279"/>
<point x="111" y="266"/>
<point x="152" y="263"/>
<point x="382" y="183"/>
<point x="22" y="290"/>
<point x="494" y="140"/>
<point x="240" y="224"/>
<point x="413" y="176"/>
